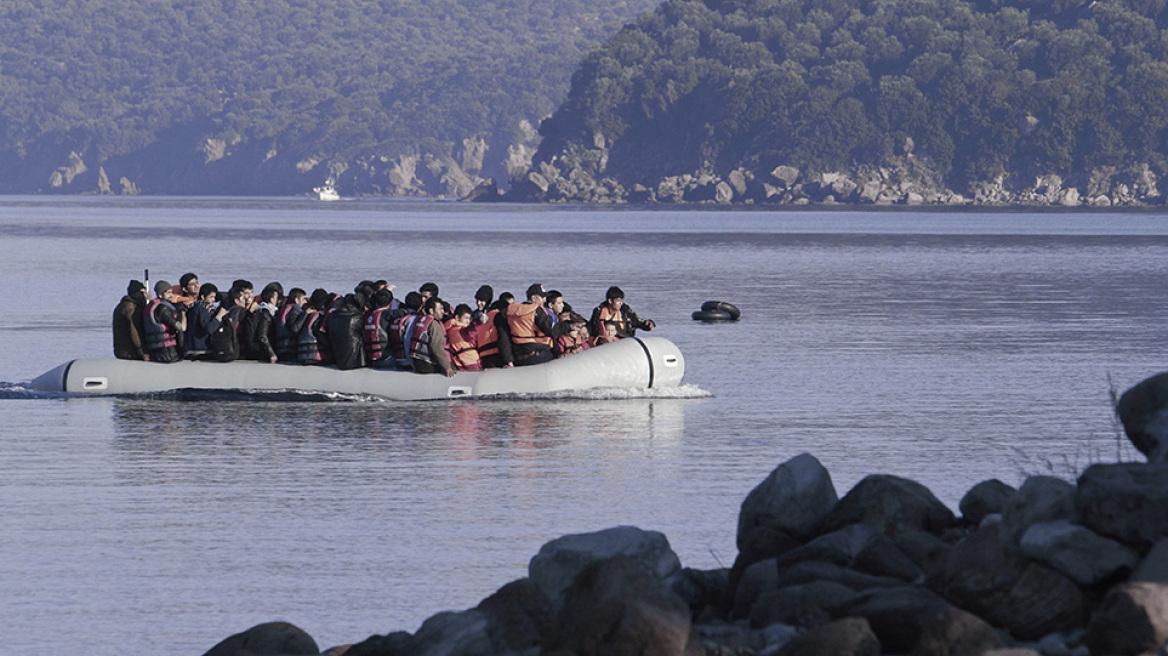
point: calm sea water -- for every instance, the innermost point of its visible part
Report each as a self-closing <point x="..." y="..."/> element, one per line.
<point x="944" y="347"/>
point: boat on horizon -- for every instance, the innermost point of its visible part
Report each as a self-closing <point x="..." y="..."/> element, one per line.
<point x="635" y="362"/>
<point x="326" y="192"/>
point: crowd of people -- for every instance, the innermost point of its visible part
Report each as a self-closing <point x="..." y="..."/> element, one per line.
<point x="367" y="327"/>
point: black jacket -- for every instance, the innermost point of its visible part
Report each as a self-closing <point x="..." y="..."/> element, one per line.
<point x="345" y="325"/>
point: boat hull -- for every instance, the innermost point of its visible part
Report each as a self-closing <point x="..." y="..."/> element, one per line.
<point x="641" y="363"/>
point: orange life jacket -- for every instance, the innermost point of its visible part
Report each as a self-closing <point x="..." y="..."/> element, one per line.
<point x="609" y="314"/>
<point x="487" y="338"/>
<point x="459" y="344"/>
<point x="521" y="321"/>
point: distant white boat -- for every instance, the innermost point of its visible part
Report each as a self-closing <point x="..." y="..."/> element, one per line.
<point x="326" y="192"/>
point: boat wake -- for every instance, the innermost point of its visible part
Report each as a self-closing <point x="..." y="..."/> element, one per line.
<point x="689" y="391"/>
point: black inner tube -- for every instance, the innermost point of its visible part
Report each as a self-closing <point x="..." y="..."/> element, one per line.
<point x="712" y="315"/>
<point x="722" y="306"/>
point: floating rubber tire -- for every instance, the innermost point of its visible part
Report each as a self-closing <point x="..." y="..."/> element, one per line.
<point x="719" y="306"/>
<point x="713" y="315"/>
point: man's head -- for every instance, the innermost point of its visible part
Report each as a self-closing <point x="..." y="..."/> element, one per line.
<point x="164" y="290"/>
<point x="615" y="297"/>
<point x="462" y="314"/>
<point x="208" y="292"/>
<point x="135" y="288"/>
<point x="298" y="297"/>
<point x="484" y="296"/>
<point x="433" y="307"/>
<point x="413" y="301"/>
<point x="555" y="302"/>
<point x="321" y="299"/>
<point x="189" y="283"/>
<point x="246" y="287"/>
<point x="382" y="298"/>
<point x="271" y="293"/>
<point x="428" y="290"/>
<point x="536" y="294"/>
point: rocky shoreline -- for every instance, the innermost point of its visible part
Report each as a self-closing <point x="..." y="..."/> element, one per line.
<point x="1049" y="568"/>
<point x="586" y="176"/>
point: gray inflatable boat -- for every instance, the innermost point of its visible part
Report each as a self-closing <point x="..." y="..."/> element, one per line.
<point x="638" y="362"/>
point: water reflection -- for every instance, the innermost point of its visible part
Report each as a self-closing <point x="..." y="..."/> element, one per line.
<point x="231" y="431"/>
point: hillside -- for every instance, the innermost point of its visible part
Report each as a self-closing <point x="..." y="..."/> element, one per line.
<point x="890" y="101"/>
<point x="275" y="97"/>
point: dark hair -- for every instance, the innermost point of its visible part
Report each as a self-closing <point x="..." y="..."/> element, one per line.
<point x="431" y="303"/>
<point x="208" y="288"/>
<point x="270" y="289"/>
<point x="236" y="293"/>
<point x="552" y="296"/>
<point x="296" y="293"/>
<point x="485" y="294"/>
<point x="413" y="300"/>
<point x="380" y="284"/>
<point x="536" y="290"/>
<point x="431" y="287"/>
<point x="461" y="308"/>
<point x="614" y="292"/>
<point x="381" y="298"/>
<point x="576" y="318"/>
<point x="242" y="284"/>
<point x="186" y="280"/>
<point x="568" y="308"/>
<point x="320" y="299"/>
<point x="365" y="283"/>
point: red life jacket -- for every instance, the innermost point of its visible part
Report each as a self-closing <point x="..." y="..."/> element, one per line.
<point x="375" y="337"/>
<point x="569" y="345"/>
<point x="487" y="338"/>
<point x="461" y="348"/>
<point x="285" y="340"/>
<point x="306" y="343"/>
<point x="158" y="335"/>
<point x="521" y="321"/>
<point x="417" y="334"/>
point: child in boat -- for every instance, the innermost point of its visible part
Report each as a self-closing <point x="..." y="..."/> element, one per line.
<point x="461" y="338"/>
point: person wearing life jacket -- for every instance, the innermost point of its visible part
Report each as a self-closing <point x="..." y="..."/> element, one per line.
<point x="608" y="333"/>
<point x="483" y="298"/>
<point x="554" y="305"/>
<point x="186" y="292"/>
<point x="397" y="346"/>
<point x="426" y="339"/>
<point x="129" y="340"/>
<point x="163" y="325"/>
<point x="201" y="322"/>
<point x="307" y="343"/>
<point x="223" y="344"/>
<point x="379" y="325"/>
<point x="248" y="292"/>
<point x="461" y="332"/>
<point x="614" y="309"/>
<point x="492" y="340"/>
<point x="345" y="323"/>
<point x="573" y="341"/>
<point x="287" y="323"/>
<point x="531" y="329"/>
<point x="257" y="329"/>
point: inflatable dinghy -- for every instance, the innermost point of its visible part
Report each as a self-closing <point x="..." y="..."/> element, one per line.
<point x="637" y="362"/>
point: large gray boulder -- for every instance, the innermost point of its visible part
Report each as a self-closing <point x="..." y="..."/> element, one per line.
<point x="861" y="547"/>
<point x="793" y="500"/>
<point x="1080" y="553"/>
<point x="812" y="570"/>
<point x="1143" y="410"/>
<point x="892" y="504"/>
<point x="800" y="605"/>
<point x="846" y="637"/>
<point x="467" y="633"/>
<point x="1133" y="619"/>
<point x="1040" y="499"/>
<point x="985" y="498"/>
<point x="618" y="608"/>
<point x="269" y="639"/>
<point x="558" y="562"/>
<point x="897" y="615"/>
<point x="1008" y="589"/>
<point x="1125" y="501"/>
<point x="523" y="614"/>
<point x="950" y="631"/>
